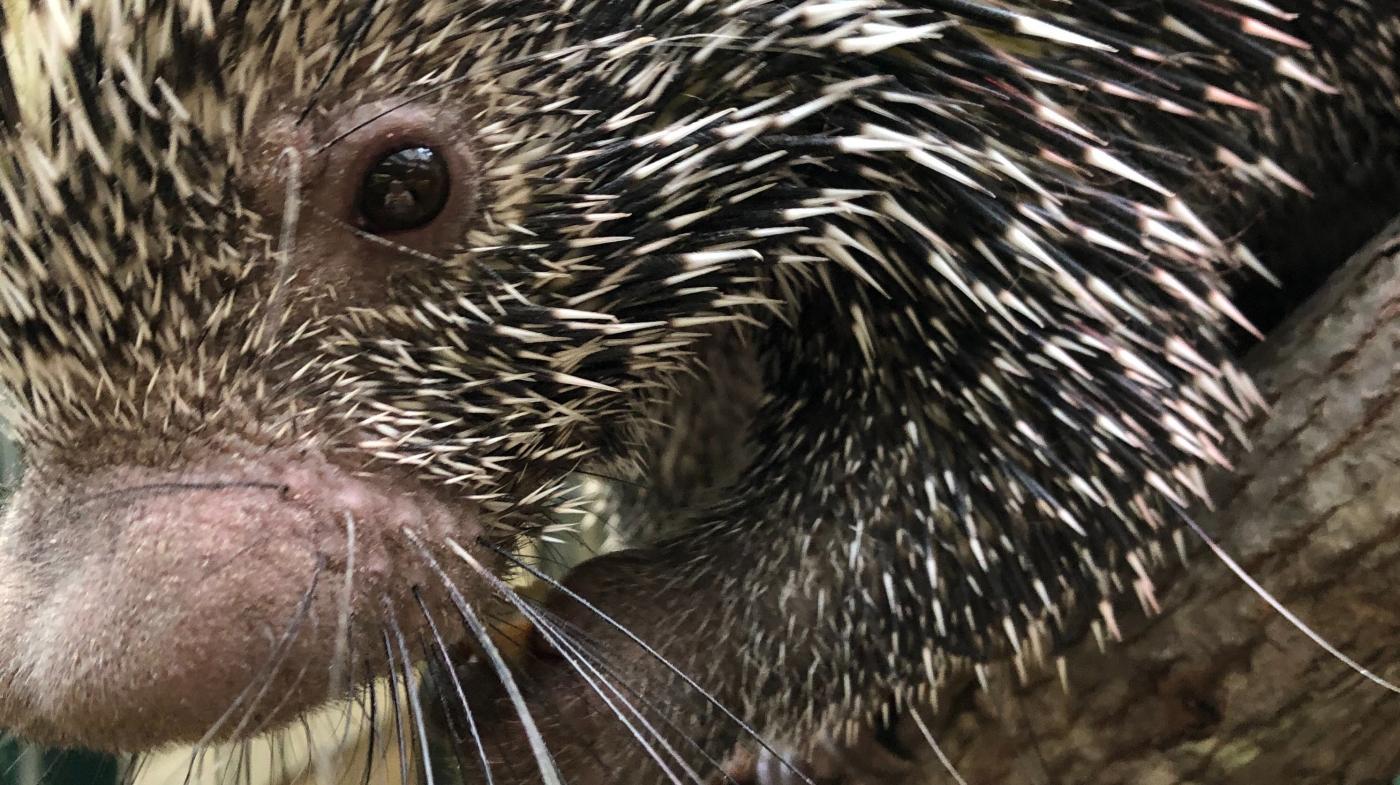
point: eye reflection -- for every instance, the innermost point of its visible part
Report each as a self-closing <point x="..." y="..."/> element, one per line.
<point x="404" y="189"/>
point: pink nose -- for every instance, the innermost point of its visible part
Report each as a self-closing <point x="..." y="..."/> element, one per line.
<point x="209" y="602"/>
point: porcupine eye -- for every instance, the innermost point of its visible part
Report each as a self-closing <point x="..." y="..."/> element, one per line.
<point x="404" y="189"/>
<point x="387" y="191"/>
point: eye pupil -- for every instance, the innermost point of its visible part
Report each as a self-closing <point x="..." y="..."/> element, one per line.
<point x="404" y="189"/>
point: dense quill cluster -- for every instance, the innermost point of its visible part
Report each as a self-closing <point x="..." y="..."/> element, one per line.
<point x="992" y="332"/>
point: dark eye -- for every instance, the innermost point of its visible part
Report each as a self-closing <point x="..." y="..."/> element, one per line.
<point x="404" y="189"/>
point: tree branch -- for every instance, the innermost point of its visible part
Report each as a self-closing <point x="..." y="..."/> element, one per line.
<point x="1221" y="689"/>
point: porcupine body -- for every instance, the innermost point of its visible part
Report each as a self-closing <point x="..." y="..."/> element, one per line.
<point x="1343" y="147"/>
<point x="287" y="403"/>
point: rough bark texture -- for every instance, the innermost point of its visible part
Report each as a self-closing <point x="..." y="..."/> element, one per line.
<point x="1220" y="689"/>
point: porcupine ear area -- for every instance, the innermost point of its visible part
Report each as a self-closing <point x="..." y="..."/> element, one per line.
<point x="199" y="550"/>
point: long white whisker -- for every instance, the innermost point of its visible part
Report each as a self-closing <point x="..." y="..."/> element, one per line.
<point x="579" y="662"/>
<point x="457" y="688"/>
<point x="548" y="771"/>
<point x="657" y="656"/>
<point x="340" y="658"/>
<point x="415" y="706"/>
<point x="1279" y="607"/>
<point x="937" y="750"/>
<point x="600" y="661"/>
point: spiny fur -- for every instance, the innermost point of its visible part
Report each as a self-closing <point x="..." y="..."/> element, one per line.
<point x="993" y="335"/>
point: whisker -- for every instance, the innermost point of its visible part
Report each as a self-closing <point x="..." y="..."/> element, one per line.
<point x="519" y="63"/>
<point x="241" y="766"/>
<point x="650" y="651"/>
<point x="132" y="770"/>
<point x="21" y="762"/>
<point x="275" y="311"/>
<point x="287" y="695"/>
<point x="349" y="731"/>
<point x="441" y="646"/>
<point x="279" y="654"/>
<point x="436" y="675"/>
<point x="373" y="741"/>
<point x="341" y="670"/>
<point x="399" y="732"/>
<point x="1283" y="611"/>
<point x="363" y="20"/>
<point x="308" y="762"/>
<point x="578" y="661"/>
<point x="571" y="647"/>
<point x="600" y="660"/>
<point x="341" y="656"/>
<point x="937" y="750"/>
<point x="415" y="707"/>
<point x="196" y="764"/>
<point x="548" y="771"/>
<point x="242" y="730"/>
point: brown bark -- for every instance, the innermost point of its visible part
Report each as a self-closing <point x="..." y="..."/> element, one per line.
<point x="1221" y="689"/>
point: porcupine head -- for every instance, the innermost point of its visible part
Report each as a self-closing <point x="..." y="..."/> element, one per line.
<point x="307" y="310"/>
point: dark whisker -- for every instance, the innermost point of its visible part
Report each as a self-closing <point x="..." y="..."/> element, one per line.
<point x="132" y="770"/>
<point x="631" y="483"/>
<point x="241" y="767"/>
<point x="347" y="734"/>
<point x="399" y="733"/>
<point x="286" y="696"/>
<point x="279" y="654"/>
<point x="461" y="694"/>
<point x="363" y="20"/>
<point x="437" y="667"/>
<point x="161" y="488"/>
<point x="372" y="718"/>
<point x="196" y="764"/>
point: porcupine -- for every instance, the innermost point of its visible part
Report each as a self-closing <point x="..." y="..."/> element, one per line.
<point x="311" y="309"/>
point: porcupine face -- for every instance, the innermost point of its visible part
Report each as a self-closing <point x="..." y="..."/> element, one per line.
<point x="253" y="334"/>
<point x="290" y="286"/>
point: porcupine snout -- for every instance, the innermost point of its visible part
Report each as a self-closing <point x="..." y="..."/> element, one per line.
<point x="220" y="527"/>
<point x="157" y="604"/>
